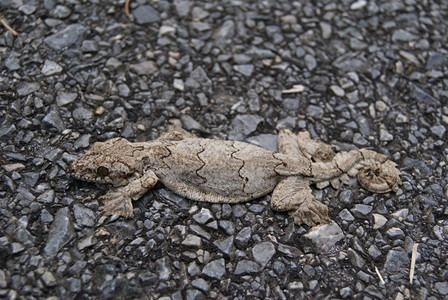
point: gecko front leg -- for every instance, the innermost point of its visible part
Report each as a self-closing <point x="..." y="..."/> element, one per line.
<point x="119" y="201"/>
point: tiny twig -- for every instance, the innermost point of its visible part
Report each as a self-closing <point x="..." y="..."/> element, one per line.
<point x="413" y="259"/>
<point x="297" y="88"/>
<point x="3" y="22"/>
<point x="126" y="8"/>
<point x="379" y="275"/>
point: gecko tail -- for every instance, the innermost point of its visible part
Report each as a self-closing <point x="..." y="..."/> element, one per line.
<point x="376" y="173"/>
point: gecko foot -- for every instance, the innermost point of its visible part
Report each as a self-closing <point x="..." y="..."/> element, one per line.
<point x="311" y="213"/>
<point x="116" y="203"/>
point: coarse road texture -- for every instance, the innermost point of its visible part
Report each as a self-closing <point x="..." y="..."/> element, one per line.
<point x="364" y="74"/>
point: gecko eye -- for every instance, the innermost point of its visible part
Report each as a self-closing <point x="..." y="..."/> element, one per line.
<point x="102" y="171"/>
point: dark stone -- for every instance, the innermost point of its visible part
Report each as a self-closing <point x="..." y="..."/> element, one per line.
<point x="263" y="252"/>
<point x="70" y="35"/>
<point x="422" y="96"/>
<point x="396" y="261"/>
<point x="53" y="120"/>
<point x="323" y="237"/>
<point x="243" y="237"/>
<point x="243" y="125"/>
<point x="215" y="269"/>
<point x="266" y="141"/>
<point x="245" y="267"/>
<point x="61" y="232"/>
<point x="145" y="14"/>
<point x="147" y="278"/>
<point x="27" y="88"/>
<point x="198" y="78"/>
<point x="415" y="164"/>
<point x="436" y="60"/>
<point x="7" y="132"/>
<point x="289" y="251"/>
<point x="226" y="246"/>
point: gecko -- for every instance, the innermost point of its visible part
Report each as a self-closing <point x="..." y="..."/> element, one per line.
<point x="226" y="171"/>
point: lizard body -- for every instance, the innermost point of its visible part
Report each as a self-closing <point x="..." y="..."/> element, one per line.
<point x="221" y="171"/>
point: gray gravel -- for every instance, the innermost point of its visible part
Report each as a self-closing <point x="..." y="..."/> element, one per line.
<point x="374" y="75"/>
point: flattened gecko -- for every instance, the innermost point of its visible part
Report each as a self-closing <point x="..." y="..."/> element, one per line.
<point x="223" y="171"/>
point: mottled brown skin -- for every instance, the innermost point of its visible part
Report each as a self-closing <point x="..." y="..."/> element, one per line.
<point x="231" y="171"/>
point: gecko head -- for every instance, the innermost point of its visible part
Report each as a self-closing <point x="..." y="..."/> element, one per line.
<point x="109" y="162"/>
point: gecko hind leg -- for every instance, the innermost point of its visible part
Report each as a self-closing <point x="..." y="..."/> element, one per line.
<point x="314" y="150"/>
<point x="288" y="143"/>
<point x="302" y="145"/>
<point x="294" y="195"/>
